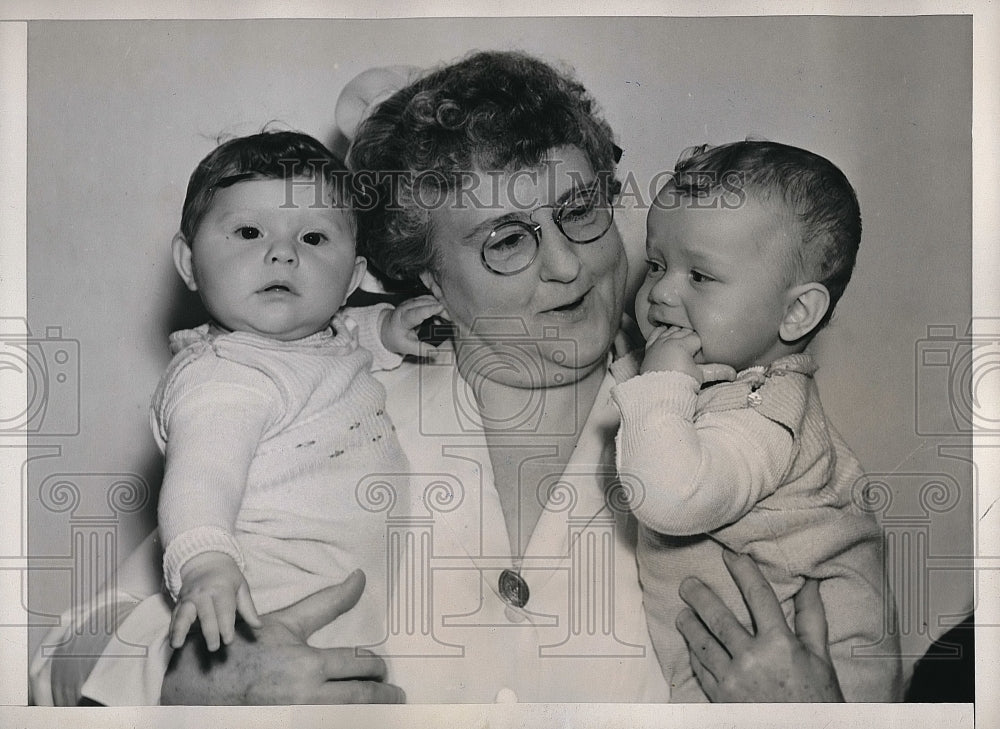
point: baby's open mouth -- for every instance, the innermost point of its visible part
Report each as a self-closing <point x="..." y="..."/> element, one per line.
<point x="277" y="287"/>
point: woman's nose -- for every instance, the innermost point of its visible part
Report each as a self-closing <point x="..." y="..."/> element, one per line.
<point x="559" y="256"/>
<point x="282" y="250"/>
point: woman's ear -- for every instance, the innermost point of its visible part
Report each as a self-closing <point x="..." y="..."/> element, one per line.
<point x="431" y="284"/>
<point x="807" y="305"/>
<point x="183" y="262"/>
<point x="360" y="266"/>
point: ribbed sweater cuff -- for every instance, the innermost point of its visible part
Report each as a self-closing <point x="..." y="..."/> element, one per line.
<point x="656" y="393"/>
<point x="370" y="337"/>
<point x="192" y="543"/>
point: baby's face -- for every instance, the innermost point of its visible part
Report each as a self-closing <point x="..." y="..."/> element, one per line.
<point x="270" y="268"/>
<point x="719" y="273"/>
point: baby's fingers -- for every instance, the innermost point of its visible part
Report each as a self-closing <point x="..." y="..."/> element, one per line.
<point x="246" y="608"/>
<point x="180" y="623"/>
<point x="210" y="627"/>
<point x="222" y="621"/>
<point x="414" y="311"/>
<point x="425" y="350"/>
<point x="717" y="373"/>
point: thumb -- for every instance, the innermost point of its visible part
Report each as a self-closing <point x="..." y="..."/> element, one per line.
<point x="810" y="619"/>
<point x="717" y="372"/>
<point x="322" y="607"/>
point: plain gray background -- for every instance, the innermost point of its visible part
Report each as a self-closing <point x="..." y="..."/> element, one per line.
<point x="120" y="112"/>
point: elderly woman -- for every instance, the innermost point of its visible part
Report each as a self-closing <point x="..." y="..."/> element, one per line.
<point x="491" y="181"/>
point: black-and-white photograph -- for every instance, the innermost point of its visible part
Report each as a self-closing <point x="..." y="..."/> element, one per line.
<point x="394" y="361"/>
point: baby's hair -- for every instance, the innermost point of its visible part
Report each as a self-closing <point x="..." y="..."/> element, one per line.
<point x="814" y="192"/>
<point x="268" y="155"/>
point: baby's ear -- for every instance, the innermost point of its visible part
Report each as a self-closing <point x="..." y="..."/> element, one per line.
<point x="806" y="307"/>
<point x="183" y="262"/>
<point x="360" y="266"/>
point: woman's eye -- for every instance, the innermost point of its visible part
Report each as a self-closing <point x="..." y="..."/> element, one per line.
<point x="580" y="211"/>
<point x="505" y="244"/>
<point x="248" y="232"/>
<point x="313" y="239"/>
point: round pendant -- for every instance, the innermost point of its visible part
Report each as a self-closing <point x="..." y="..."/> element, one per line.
<point x="513" y="588"/>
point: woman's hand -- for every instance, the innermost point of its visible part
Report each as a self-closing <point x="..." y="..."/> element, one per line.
<point x="775" y="665"/>
<point x="273" y="664"/>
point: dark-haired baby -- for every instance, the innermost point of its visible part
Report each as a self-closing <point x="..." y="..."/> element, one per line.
<point x="268" y="415"/>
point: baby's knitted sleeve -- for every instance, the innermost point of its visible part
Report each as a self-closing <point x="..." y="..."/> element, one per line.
<point x="213" y="416"/>
<point x="695" y="476"/>
<point x="369" y="333"/>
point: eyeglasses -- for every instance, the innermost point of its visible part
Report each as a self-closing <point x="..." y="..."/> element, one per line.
<point x="583" y="218"/>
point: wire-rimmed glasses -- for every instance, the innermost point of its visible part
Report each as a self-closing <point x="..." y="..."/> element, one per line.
<point x="512" y="246"/>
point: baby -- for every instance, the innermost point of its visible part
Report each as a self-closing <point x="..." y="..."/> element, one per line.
<point x="749" y="247"/>
<point x="268" y="415"/>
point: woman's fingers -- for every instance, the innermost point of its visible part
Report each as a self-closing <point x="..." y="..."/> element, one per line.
<point x="702" y="645"/>
<point x="311" y="613"/>
<point x="715" y="615"/>
<point x="709" y="684"/>
<point x="354" y="676"/>
<point x="352" y="663"/>
<point x="757" y="593"/>
<point x="810" y="619"/>
<point x="359" y="692"/>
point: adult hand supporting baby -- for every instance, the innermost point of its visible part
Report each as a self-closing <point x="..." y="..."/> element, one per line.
<point x="274" y="665"/>
<point x="775" y="665"/>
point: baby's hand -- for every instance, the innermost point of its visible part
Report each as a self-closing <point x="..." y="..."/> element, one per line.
<point x="366" y="91"/>
<point x="673" y="349"/>
<point x="399" y="327"/>
<point x="212" y="590"/>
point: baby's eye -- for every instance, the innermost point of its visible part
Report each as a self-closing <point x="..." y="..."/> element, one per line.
<point x="654" y="267"/>
<point x="248" y="232"/>
<point x="699" y="277"/>
<point x="313" y="238"/>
